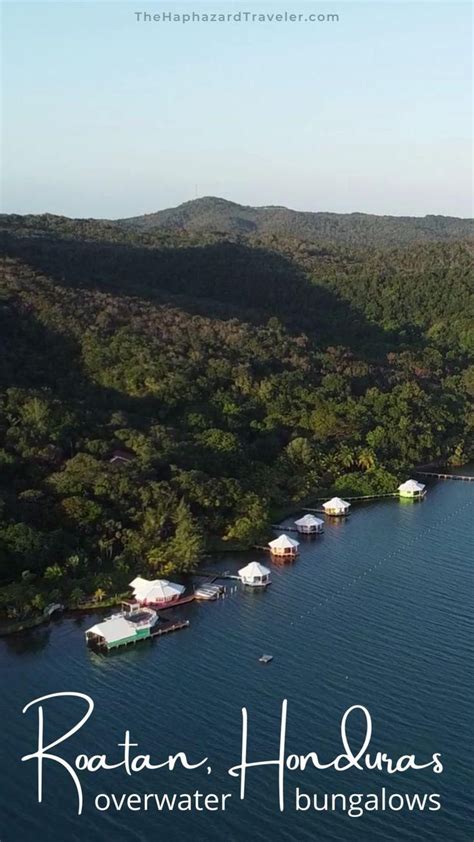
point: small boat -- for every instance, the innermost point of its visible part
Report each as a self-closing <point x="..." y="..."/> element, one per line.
<point x="53" y="608"/>
<point x="265" y="659"/>
<point x="207" y="591"/>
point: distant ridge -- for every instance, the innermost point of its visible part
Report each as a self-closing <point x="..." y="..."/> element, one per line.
<point x="214" y="214"/>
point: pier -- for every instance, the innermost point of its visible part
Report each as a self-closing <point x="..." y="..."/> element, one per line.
<point x="444" y="476"/>
<point x="169" y="627"/>
<point x="284" y="528"/>
<point x="357" y="499"/>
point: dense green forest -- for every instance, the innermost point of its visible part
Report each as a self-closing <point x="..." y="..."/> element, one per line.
<point x="354" y="229"/>
<point x="236" y="375"/>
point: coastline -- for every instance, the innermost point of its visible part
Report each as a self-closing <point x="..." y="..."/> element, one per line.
<point x="216" y="546"/>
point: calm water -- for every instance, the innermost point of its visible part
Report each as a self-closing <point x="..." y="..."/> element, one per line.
<point x="377" y="611"/>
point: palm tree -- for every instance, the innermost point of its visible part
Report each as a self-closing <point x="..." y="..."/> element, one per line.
<point x="38" y="602"/>
<point x="73" y="562"/>
<point x="345" y="457"/>
<point x="366" y="459"/>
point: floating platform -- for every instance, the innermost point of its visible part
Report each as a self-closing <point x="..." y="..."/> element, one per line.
<point x="265" y="659"/>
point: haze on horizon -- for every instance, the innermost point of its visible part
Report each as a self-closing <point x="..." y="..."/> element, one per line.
<point x="109" y="118"/>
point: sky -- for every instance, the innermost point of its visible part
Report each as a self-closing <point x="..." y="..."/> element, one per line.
<point x="104" y="115"/>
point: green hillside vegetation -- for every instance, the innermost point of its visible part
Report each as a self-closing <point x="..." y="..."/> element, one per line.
<point x="353" y="229"/>
<point x="239" y="374"/>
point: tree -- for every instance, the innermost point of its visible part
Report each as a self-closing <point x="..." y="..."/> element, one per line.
<point x="77" y="595"/>
<point x="53" y="573"/>
<point x="251" y="524"/>
<point x="366" y="458"/>
<point x="38" y="602"/>
<point x="184" y="549"/>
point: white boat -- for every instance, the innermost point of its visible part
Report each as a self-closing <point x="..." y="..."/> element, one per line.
<point x="208" y="591"/>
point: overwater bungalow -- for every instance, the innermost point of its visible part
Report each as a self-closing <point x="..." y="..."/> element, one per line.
<point x="336" y="507"/>
<point x="255" y="575"/>
<point x="157" y="592"/>
<point x="128" y="626"/>
<point x="412" y="489"/>
<point x="284" y="547"/>
<point x="309" y="525"/>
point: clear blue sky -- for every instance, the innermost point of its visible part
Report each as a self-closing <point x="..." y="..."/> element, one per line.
<point x="107" y="117"/>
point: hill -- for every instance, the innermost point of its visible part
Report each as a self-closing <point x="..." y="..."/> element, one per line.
<point x="358" y="229"/>
<point x="239" y="374"/>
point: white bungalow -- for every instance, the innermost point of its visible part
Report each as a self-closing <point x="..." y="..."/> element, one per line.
<point x="412" y="489"/>
<point x="309" y="525"/>
<point x="336" y="507"/>
<point x="255" y="575"/>
<point x="284" y="547"/>
<point x="155" y="591"/>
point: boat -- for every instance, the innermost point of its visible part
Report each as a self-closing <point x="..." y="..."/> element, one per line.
<point x="208" y="591"/>
<point x="265" y="659"/>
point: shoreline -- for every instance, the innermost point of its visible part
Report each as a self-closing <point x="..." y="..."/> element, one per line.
<point x="217" y="547"/>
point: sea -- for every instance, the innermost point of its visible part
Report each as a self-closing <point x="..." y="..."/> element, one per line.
<point x="375" y="615"/>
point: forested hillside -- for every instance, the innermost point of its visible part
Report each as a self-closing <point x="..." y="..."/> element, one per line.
<point x="355" y="229"/>
<point x="234" y="375"/>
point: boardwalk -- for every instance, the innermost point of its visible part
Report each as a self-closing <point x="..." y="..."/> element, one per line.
<point x="445" y="476"/>
<point x="354" y="499"/>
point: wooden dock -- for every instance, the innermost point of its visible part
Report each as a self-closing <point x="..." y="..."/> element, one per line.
<point x="357" y="499"/>
<point x="444" y="476"/>
<point x="169" y="627"/>
<point x="158" y="606"/>
<point x="285" y="528"/>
